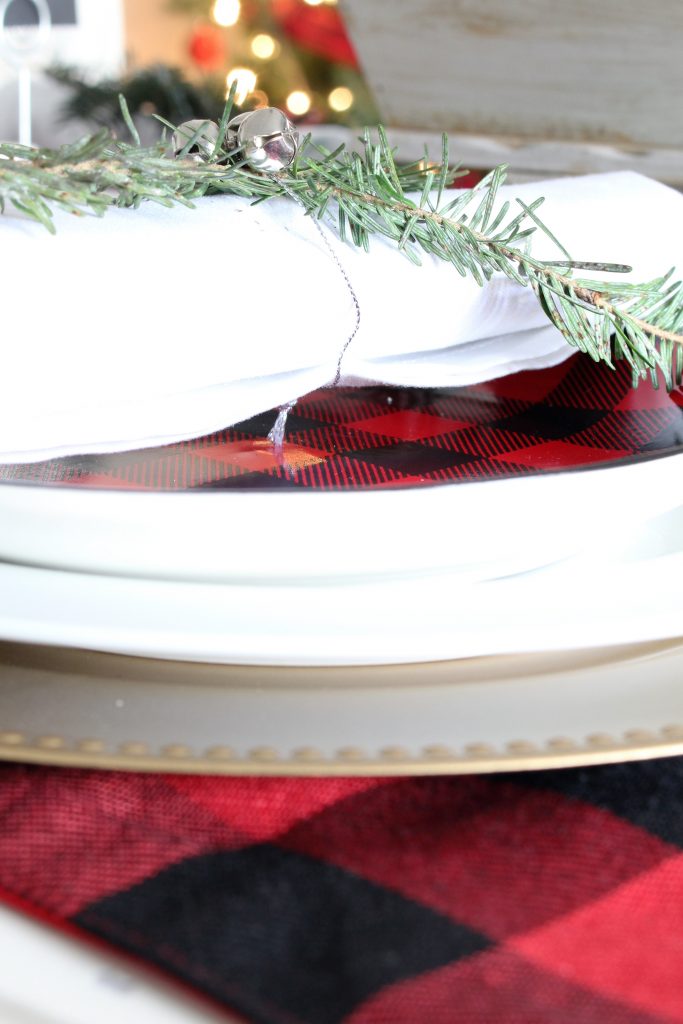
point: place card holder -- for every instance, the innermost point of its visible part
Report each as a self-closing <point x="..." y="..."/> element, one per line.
<point x="86" y="35"/>
<point x="25" y="37"/>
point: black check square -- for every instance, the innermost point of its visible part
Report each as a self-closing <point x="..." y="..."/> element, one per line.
<point x="269" y="927"/>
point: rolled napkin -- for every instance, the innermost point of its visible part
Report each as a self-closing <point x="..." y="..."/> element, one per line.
<point x="156" y="325"/>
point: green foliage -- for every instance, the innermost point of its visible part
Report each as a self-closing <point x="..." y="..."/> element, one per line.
<point x="371" y="194"/>
<point x="157" y="89"/>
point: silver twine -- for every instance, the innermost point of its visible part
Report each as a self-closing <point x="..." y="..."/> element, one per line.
<point x="269" y="140"/>
<point x="277" y="434"/>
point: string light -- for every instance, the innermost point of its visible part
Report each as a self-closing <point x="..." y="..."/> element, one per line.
<point x="246" y="83"/>
<point x="226" y="12"/>
<point x="298" y="102"/>
<point x="264" y="46"/>
<point x="340" y="99"/>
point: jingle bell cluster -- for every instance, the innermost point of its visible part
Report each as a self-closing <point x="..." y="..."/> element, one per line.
<point x="265" y="139"/>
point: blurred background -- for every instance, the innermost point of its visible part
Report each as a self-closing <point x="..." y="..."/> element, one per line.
<point x="176" y="58"/>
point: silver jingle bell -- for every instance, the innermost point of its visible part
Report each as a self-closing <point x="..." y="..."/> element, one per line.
<point x="202" y="148"/>
<point x="266" y="138"/>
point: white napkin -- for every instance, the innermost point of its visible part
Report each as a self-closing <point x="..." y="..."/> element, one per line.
<point x="155" y="325"/>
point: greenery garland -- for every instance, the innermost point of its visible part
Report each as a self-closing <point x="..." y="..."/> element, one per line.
<point x="367" y="195"/>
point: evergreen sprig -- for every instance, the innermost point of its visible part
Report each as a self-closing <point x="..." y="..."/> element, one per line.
<point x="366" y="194"/>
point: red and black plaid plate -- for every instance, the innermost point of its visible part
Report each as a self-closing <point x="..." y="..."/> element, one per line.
<point x="573" y="416"/>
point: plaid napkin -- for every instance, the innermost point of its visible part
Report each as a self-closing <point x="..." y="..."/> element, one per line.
<point x="523" y="899"/>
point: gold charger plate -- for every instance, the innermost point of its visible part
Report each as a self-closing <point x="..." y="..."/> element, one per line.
<point x="87" y="709"/>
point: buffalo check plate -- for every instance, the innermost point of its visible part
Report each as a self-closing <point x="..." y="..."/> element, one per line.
<point x="372" y="483"/>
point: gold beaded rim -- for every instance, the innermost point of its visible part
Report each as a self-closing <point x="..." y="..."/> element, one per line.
<point x="436" y="759"/>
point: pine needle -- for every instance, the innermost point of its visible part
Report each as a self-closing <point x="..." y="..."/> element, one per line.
<point x="366" y="195"/>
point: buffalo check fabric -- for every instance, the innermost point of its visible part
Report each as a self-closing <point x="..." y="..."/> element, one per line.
<point x="572" y="416"/>
<point x="522" y="899"/>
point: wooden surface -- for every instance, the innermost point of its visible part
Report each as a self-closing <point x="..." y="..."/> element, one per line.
<point x="554" y="85"/>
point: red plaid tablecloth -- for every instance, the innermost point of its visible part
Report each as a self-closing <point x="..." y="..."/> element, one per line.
<point x="525" y="899"/>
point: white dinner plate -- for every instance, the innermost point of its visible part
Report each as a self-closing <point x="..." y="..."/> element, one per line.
<point x="621" y="591"/>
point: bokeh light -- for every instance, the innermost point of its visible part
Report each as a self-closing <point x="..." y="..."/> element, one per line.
<point x="340" y="99"/>
<point x="245" y="80"/>
<point x="298" y="102"/>
<point x="264" y="46"/>
<point x="226" y="12"/>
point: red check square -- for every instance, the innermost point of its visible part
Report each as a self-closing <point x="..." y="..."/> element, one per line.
<point x="408" y="425"/>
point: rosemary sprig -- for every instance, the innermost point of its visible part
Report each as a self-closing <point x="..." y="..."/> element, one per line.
<point x="371" y="194"/>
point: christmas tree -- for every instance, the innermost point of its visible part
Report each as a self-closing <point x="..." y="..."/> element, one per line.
<point x="292" y="54"/>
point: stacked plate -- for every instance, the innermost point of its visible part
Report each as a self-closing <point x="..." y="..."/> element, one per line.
<point x="535" y="519"/>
